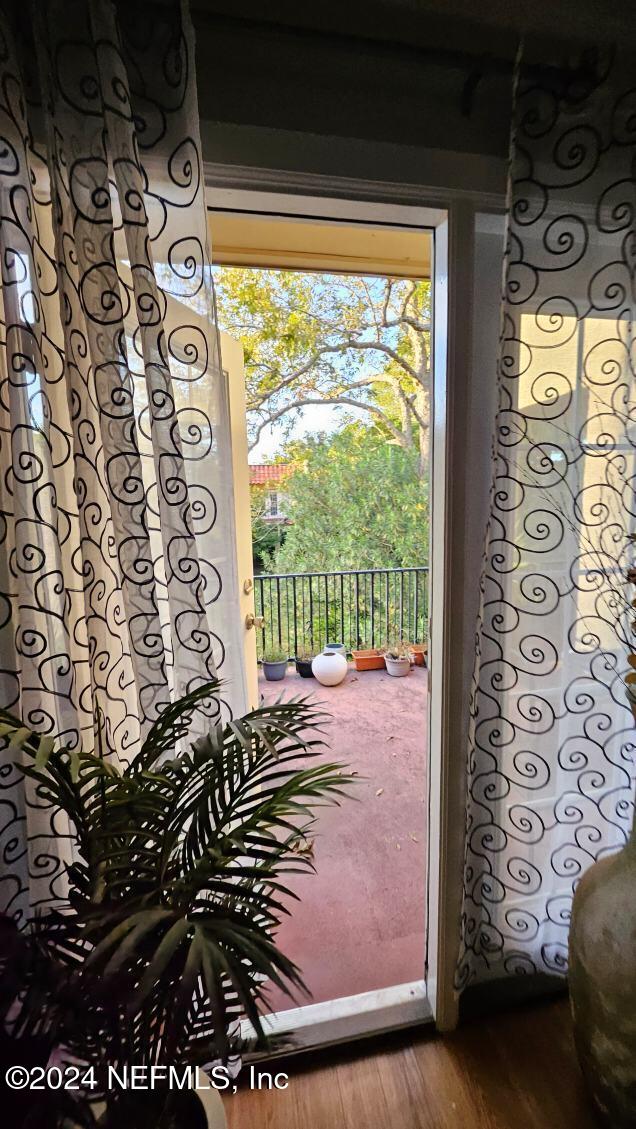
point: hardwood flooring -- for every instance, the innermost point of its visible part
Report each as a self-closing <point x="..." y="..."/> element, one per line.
<point x="514" y="1070"/>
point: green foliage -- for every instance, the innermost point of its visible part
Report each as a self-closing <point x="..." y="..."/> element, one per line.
<point x="311" y="338"/>
<point x="355" y="502"/>
<point x="266" y="535"/>
<point x="275" y="654"/>
<point x="175" y="892"/>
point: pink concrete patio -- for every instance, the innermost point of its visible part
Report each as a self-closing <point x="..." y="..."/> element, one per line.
<point x="360" y="924"/>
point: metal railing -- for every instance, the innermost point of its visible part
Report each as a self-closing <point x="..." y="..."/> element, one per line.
<point x="360" y="608"/>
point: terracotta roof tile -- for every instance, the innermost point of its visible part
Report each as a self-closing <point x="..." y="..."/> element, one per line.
<point x="260" y="473"/>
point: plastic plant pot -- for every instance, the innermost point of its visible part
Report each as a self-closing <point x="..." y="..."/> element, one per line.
<point x="339" y="648"/>
<point x="275" y="671"/>
<point x="303" y="667"/>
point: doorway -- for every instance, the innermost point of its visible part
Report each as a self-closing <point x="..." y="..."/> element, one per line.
<point x="360" y="932"/>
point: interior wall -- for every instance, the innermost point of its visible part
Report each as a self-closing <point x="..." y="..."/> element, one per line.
<point x="259" y="154"/>
<point x="356" y="105"/>
<point x="396" y="90"/>
<point x="265" y="75"/>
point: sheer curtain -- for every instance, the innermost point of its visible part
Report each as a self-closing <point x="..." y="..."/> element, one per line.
<point x="117" y="569"/>
<point x="551" y="758"/>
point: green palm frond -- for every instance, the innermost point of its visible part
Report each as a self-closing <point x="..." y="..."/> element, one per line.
<point x="180" y="880"/>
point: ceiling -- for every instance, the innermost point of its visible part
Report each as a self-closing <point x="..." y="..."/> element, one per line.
<point x="469" y="25"/>
<point x="360" y="248"/>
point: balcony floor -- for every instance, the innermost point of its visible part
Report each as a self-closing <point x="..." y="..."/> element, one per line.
<point x="360" y="924"/>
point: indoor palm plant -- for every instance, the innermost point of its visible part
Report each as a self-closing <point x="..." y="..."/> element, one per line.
<point x="167" y="932"/>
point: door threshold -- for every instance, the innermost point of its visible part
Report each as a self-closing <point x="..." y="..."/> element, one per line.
<point x="343" y="1020"/>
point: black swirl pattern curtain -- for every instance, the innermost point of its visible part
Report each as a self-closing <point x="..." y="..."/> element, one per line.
<point x="551" y="759"/>
<point x="116" y="574"/>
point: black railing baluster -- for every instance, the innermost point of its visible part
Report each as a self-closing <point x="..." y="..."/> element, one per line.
<point x="373" y="609"/>
<point x="402" y="602"/>
<point x="259" y="607"/>
<point x="415" y="612"/>
<point x="294" y="578"/>
<point x="287" y="620"/>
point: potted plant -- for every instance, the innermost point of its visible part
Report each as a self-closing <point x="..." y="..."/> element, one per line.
<point x="165" y="935"/>
<point x="397" y="659"/>
<point x="304" y="659"/>
<point x="419" y="651"/>
<point x="339" y="648"/>
<point x="370" y="659"/>
<point x="275" y="663"/>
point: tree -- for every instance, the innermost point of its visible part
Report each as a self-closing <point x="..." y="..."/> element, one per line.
<point x="359" y="342"/>
<point x="354" y="502"/>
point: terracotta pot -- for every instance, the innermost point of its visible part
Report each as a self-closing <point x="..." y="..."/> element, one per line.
<point x="418" y="652"/>
<point x="368" y="660"/>
<point x="602" y="980"/>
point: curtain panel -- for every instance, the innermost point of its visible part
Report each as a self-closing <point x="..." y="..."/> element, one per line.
<point x="116" y="575"/>
<point x="551" y="746"/>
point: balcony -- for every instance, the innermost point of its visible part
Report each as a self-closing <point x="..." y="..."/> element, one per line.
<point x="360" y="924"/>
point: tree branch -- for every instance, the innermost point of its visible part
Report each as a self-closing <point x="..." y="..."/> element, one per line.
<point x="343" y="347"/>
<point x="319" y="401"/>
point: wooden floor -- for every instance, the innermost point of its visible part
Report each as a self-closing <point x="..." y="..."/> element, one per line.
<point x="517" y="1070"/>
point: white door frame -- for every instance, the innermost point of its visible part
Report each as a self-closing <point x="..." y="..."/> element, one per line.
<point x="451" y="218"/>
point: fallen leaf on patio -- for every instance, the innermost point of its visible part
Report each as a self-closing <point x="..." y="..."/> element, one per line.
<point x="354" y="772"/>
<point x="303" y="846"/>
<point x="414" y="838"/>
<point x="398" y="847"/>
<point x="391" y="737"/>
<point x="379" y="791"/>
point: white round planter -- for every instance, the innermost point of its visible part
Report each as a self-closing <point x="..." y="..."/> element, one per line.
<point x="329" y="668"/>
<point x="397" y="668"/>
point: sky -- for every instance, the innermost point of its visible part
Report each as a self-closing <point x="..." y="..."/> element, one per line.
<point x="309" y="421"/>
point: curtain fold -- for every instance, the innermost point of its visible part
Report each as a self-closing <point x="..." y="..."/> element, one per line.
<point x="117" y="569"/>
<point x="551" y="744"/>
